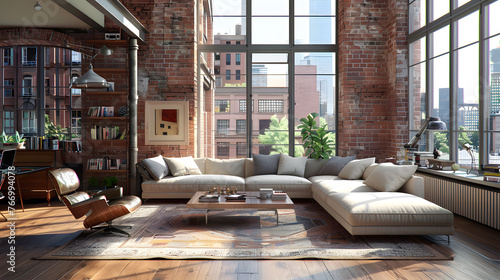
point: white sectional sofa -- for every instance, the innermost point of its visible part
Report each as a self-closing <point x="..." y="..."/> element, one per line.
<point x="360" y="208"/>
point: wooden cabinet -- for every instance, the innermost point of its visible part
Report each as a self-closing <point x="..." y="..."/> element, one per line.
<point x="32" y="167"/>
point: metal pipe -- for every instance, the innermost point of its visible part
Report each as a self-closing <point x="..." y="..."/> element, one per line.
<point x="132" y="100"/>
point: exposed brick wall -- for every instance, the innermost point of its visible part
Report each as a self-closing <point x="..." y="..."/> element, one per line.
<point x="167" y="64"/>
<point x="373" y="91"/>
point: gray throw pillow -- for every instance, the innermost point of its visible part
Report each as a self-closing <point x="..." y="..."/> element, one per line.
<point x="156" y="167"/>
<point x="292" y="165"/>
<point x="265" y="164"/>
<point x="144" y="173"/>
<point x="334" y="165"/>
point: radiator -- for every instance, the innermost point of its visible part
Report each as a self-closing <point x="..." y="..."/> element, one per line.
<point x="476" y="202"/>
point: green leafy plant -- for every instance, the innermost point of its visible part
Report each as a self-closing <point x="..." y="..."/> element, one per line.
<point x="110" y="181"/>
<point x="277" y="137"/>
<point x="53" y="131"/>
<point x="315" y="139"/>
<point x="93" y="182"/>
<point x="9" y="139"/>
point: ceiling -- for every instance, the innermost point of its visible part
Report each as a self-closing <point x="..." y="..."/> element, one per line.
<point x="69" y="14"/>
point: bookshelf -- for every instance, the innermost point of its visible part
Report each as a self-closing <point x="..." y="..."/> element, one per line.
<point x="105" y="136"/>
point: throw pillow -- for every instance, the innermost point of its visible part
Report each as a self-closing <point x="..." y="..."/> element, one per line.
<point x="265" y="164"/>
<point x="390" y="177"/>
<point x="235" y="167"/>
<point x="292" y="165"/>
<point x="182" y="166"/>
<point x="355" y="168"/>
<point x="156" y="167"/>
<point x="142" y="170"/>
<point x="334" y="165"/>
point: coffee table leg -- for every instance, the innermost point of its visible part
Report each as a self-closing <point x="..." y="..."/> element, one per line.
<point x="277" y="220"/>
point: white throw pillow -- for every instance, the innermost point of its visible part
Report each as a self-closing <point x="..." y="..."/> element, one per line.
<point x="390" y="177"/>
<point x="292" y="165"/>
<point x="355" y="168"/>
<point x="182" y="166"/>
<point x="235" y="167"/>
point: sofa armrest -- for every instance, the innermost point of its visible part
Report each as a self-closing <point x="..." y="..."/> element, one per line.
<point x="415" y="186"/>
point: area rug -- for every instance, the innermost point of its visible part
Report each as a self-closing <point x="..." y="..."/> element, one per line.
<point x="171" y="231"/>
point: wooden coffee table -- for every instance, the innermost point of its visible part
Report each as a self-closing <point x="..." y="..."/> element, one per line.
<point x="252" y="202"/>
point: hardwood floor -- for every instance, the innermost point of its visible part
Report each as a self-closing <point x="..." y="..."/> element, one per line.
<point x="41" y="228"/>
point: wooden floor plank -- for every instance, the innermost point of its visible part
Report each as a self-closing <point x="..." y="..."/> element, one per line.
<point x="40" y="229"/>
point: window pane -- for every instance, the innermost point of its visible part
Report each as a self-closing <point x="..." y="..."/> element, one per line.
<point x="417" y="51"/>
<point x="314" y="30"/>
<point x="270" y="30"/>
<point x="468" y="29"/>
<point x="417" y="15"/>
<point x="439" y="8"/>
<point x="493" y="10"/>
<point x="440" y="41"/>
<point x="440" y="95"/>
<point x="418" y="105"/>
<point x="228" y="7"/>
<point x="314" y="7"/>
<point x="468" y="88"/>
<point x="266" y="7"/>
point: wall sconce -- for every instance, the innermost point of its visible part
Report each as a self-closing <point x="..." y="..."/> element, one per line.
<point x="37" y="7"/>
<point x="91" y="79"/>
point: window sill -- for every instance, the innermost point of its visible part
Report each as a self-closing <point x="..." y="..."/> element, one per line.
<point x="460" y="176"/>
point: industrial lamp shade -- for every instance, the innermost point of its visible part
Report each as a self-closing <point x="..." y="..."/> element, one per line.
<point x="436" y="124"/>
<point x="90" y="80"/>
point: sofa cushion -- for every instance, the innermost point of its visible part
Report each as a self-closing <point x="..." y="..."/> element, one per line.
<point x="334" y="165"/>
<point x="193" y="183"/>
<point x="313" y="166"/>
<point x="265" y="164"/>
<point x="287" y="183"/>
<point x="355" y="168"/>
<point x="324" y="185"/>
<point x="390" y="177"/>
<point x="235" y="167"/>
<point x="182" y="166"/>
<point x="292" y="165"/>
<point x="156" y="167"/>
<point x="380" y="209"/>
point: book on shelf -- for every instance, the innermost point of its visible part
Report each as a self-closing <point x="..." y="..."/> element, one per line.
<point x="492" y="174"/>
<point x="104" y="163"/>
<point x="101" y="111"/>
<point x="105" y="132"/>
<point x="209" y="198"/>
<point x="495" y="168"/>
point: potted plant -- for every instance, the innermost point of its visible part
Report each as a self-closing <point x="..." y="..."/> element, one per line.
<point x="315" y="138"/>
<point x="16" y="141"/>
<point x="93" y="183"/>
<point x="110" y="181"/>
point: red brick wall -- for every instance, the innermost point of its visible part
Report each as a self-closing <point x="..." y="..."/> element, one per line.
<point x="373" y="78"/>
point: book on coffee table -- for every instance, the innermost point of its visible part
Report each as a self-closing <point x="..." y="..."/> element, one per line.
<point x="209" y="198"/>
<point x="235" y="198"/>
<point x="278" y="195"/>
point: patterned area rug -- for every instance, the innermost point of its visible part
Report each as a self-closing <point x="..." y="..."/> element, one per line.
<point x="172" y="231"/>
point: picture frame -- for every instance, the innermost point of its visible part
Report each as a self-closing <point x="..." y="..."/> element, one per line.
<point x="167" y="122"/>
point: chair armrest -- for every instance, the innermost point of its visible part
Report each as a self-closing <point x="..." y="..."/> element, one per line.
<point x="89" y="201"/>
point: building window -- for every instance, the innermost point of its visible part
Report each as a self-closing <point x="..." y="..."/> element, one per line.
<point x="222" y="126"/>
<point x="241" y="126"/>
<point x="223" y="149"/>
<point x="222" y="106"/>
<point x="228" y="59"/>
<point x="228" y="75"/>
<point x="243" y="106"/>
<point x="241" y="148"/>
<point x="29" y="122"/>
<point x="8" y="56"/>
<point x="27" y="86"/>
<point x="238" y="43"/>
<point x="28" y="56"/>
<point x="271" y="106"/>
<point x="8" y="122"/>
<point x="238" y="59"/>
<point x="238" y="75"/>
<point x="76" y="121"/>
<point x="76" y="58"/>
<point x="8" y="89"/>
<point x="228" y="42"/>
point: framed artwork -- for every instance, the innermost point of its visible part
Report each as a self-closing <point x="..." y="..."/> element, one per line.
<point x="167" y="122"/>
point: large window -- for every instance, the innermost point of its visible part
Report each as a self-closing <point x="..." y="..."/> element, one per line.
<point x="453" y="72"/>
<point x="281" y="54"/>
<point x="35" y="98"/>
